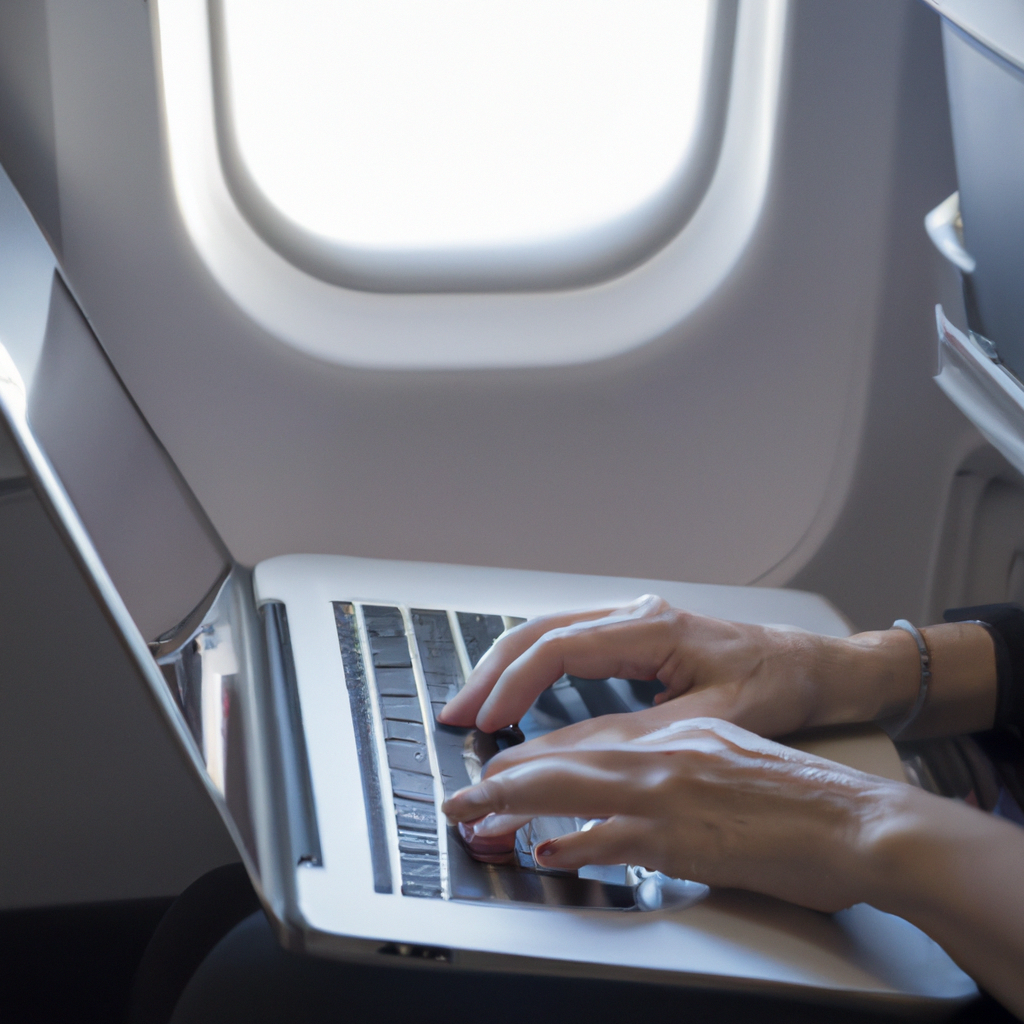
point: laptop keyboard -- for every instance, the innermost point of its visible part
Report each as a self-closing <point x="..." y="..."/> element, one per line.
<point x="396" y="687"/>
<point x="402" y="665"/>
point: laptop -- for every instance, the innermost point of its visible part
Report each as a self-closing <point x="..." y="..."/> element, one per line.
<point x="304" y="694"/>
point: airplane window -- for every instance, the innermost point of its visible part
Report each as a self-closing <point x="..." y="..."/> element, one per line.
<point x="413" y="184"/>
<point x="454" y="144"/>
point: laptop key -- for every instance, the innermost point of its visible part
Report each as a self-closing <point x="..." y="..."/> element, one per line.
<point x="410" y="757"/>
<point x="382" y="621"/>
<point x="412" y="731"/>
<point x="410" y="841"/>
<point x="396" y="682"/>
<point x="414" y="814"/>
<point x="390" y="652"/>
<point x="412" y="785"/>
<point x="479" y="632"/>
<point x="401" y="709"/>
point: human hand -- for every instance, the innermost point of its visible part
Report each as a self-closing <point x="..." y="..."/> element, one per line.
<point x="699" y="799"/>
<point x="764" y="679"/>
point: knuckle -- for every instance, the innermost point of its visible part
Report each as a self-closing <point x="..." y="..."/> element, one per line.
<point x="553" y="639"/>
<point x="660" y="783"/>
<point x="678" y="619"/>
<point x="649" y="606"/>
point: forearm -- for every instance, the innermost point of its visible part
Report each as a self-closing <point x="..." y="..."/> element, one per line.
<point x="956" y="873"/>
<point x="876" y="676"/>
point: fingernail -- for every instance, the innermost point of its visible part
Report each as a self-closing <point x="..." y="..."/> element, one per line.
<point x="455" y="796"/>
<point x="499" y="824"/>
<point x="456" y="806"/>
<point x="545" y="849"/>
<point x="478" y="827"/>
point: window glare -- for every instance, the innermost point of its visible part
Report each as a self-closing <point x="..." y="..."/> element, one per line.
<point x="410" y="125"/>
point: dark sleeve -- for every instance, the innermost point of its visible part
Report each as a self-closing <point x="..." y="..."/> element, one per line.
<point x="1005" y="624"/>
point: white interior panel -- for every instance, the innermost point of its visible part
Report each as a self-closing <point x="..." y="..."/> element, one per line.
<point x="708" y="455"/>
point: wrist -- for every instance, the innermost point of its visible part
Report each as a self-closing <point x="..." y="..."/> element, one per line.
<point x="867" y="677"/>
<point x="922" y="855"/>
<point x="894" y="850"/>
<point x="953" y="871"/>
<point x="963" y="690"/>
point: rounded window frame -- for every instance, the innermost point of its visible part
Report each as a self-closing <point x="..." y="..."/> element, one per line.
<point x="606" y="252"/>
<point x="473" y="326"/>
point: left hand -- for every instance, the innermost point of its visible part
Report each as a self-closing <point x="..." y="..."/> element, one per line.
<point x="771" y="681"/>
<point x="701" y="799"/>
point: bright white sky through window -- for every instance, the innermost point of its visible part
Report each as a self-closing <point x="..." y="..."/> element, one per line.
<point x="409" y="125"/>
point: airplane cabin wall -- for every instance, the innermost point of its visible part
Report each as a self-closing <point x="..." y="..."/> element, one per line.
<point x="787" y="433"/>
<point x="723" y="452"/>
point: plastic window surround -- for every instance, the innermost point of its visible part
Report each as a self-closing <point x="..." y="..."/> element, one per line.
<point x="444" y="330"/>
<point x="343" y="130"/>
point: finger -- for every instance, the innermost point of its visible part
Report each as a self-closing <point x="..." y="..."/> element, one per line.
<point x="632" y="643"/>
<point x="619" y="840"/>
<point x="491" y="849"/>
<point x="580" y="783"/>
<point x="464" y="707"/>
<point x="618" y="753"/>
<point x="653" y="730"/>
<point x="711" y="735"/>
<point x="600" y="732"/>
<point x="499" y="824"/>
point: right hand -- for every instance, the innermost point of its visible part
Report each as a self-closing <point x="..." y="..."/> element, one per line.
<point x="704" y="800"/>
<point x="764" y="679"/>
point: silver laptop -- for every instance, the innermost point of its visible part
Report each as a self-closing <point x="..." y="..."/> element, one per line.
<point x="304" y="694"/>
